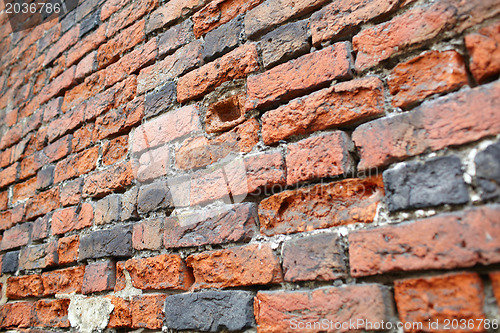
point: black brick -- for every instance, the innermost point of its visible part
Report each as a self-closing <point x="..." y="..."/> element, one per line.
<point x="175" y="37"/>
<point x="116" y="242"/>
<point x="488" y="171"/>
<point x="90" y="23"/>
<point x="10" y="262"/>
<point x="223" y="39"/>
<point x="160" y="100"/>
<point x="153" y="197"/>
<point x="45" y="177"/>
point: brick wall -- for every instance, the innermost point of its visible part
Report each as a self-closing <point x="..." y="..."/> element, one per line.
<point x="251" y="165"/>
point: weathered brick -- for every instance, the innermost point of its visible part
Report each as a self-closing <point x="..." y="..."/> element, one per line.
<point x="154" y="196"/>
<point x="158" y="101"/>
<point x="152" y="164"/>
<point x="25" y="190"/>
<point x="52" y="109"/>
<point x="63" y="43"/>
<point x="436" y="182"/>
<point x="91" y="86"/>
<point x="175" y="37"/>
<point x="430" y="73"/>
<point x="102" y="182"/>
<point x="148" y="234"/>
<point x="9" y="175"/>
<point x="495" y="284"/>
<point x="297" y="77"/>
<point x="57" y="150"/>
<point x="171" y="12"/>
<point x="86" y="66"/>
<point x="427" y="300"/>
<point x="76" y="165"/>
<point x="445" y="241"/>
<point x="99" y="276"/>
<point x="114" y="150"/>
<point x="341" y="18"/>
<point x="107" y="209"/>
<point x="10" y="261"/>
<point x="116" y="242"/>
<point x="71" y="192"/>
<point x="63" y="281"/>
<point x="130" y="14"/>
<point x="274" y="12"/>
<point x="286" y="311"/>
<point x="67" y="122"/>
<point x="42" y="203"/>
<point x="238" y="266"/>
<point x="51" y="313"/>
<point x="45" y="177"/>
<point x="82" y="138"/>
<point x="17" y="236"/>
<point x="88" y="43"/>
<point x="488" y="171"/>
<point x="6" y="220"/>
<point x="121" y="316"/>
<point x="40" y="228"/>
<point x="16" y="315"/>
<point x="223" y="39"/>
<point x="317" y="257"/>
<point x="24" y="286"/>
<point x="90" y="23"/>
<point x="147" y="311"/>
<point x="129" y="204"/>
<point x="72" y="218"/>
<point x="484" y="50"/>
<point x="85" y="8"/>
<point x="285" y="43"/>
<point x="119" y="120"/>
<point x="167" y="127"/>
<point x="183" y="60"/>
<point x="4" y="200"/>
<point x="319" y="157"/>
<point x="111" y="7"/>
<point x="225" y="114"/>
<point x="208" y="311"/>
<point x="321" y="206"/>
<point x="456" y="119"/>
<point x="414" y="27"/>
<point x="67" y="249"/>
<point x="227" y="224"/>
<point x="233" y="65"/>
<point x="38" y="256"/>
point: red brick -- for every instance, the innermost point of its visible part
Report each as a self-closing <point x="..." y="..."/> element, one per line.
<point x="122" y="42"/>
<point x="99" y="276"/>
<point x="172" y="11"/>
<point x="63" y="281"/>
<point x="436" y="298"/>
<point x="67" y="249"/>
<point x="130" y="14"/>
<point x="225" y="114"/>
<point x="219" y="12"/>
<point x="12" y="136"/>
<point x="283" y="311"/>
<point x="201" y="187"/>
<point x="63" y="43"/>
<point x="52" y="313"/>
<point x="57" y="150"/>
<point x="43" y="203"/>
<point x="58" y="66"/>
<point x="24" y="286"/>
<point x="76" y="165"/>
<point x="455" y="119"/>
<point x="238" y="266"/>
<point x="147" y="235"/>
<point x="6" y="220"/>
<point x="71" y="192"/>
<point x="166" y="271"/>
<point x="6" y="156"/>
<point x="4" y="200"/>
<point x="102" y="182"/>
<point x="340" y="18"/>
<point x="299" y="76"/>
<point x="16" y="315"/>
<point x="92" y="85"/>
<point x="319" y="157"/>
<point x="416" y="26"/>
<point x="111" y="7"/>
<point x="152" y="164"/>
<point x="441" y="242"/>
<point x="121" y="281"/>
<point x="227" y="224"/>
<point x="86" y="66"/>
<point x="484" y="50"/>
<point x="495" y="283"/>
<point x="67" y="122"/>
<point x="8" y="175"/>
<point x="38" y="256"/>
<point x="473" y="12"/>
<point x="17" y="236"/>
<point x="233" y="65"/>
<point x="272" y="13"/>
<point x="121" y="316"/>
<point x="82" y="138"/>
<point x="321" y="206"/>
<point x="72" y="218"/>
<point x="147" y="311"/>
<point x="87" y="44"/>
<point x="183" y="60"/>
<point x="25" y="190"/>
<point x="431" y="73"/>
<point x="166" y="128"/>
<point x="119" y="120"/>
<point x="114" y="150"/>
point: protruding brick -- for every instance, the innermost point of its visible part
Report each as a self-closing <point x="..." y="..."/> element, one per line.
<point x="427" y="300"/>
<point x="297" y="77"/>
<point x="99" y="276"/>
<point x="119" y="120"/>
<point x="318" y="257"/>
<point x="147" y="235"/>
<point x="484" y="50"/>
<point x="319" y="157"/>
<point x="63" y="281"/>
<point x="72" y="218"/>
<point x="86" y="66"/>
<point x="338" y="203"/>
<point x="239" y="266"/>
<point x="121" y="316"/>
<point x="233" y="65"/>
<point x="41" y="228"/>
<point x="130" y="14"/>
<point x="24" y="286"/>
<point x="210" y="311"/>
<point x="102" y="182"/>
<point x="430" y="73"/>
<point x="25" y="190"/>
<point x="52" y="313"/>
<point x="116" y="242"/>
<point x="67" y="249"/>
<point x="228" y="224"/>
<point x="16" y="315"/>
<point x="45" y="177"/>
<point x="147" y="311"/>
<point x="286" y="311"/>
<point x="458" y="118"/>
<point x="445" y="241"/>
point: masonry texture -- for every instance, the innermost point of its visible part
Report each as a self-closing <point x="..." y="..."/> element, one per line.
<point x="251" y="166"/>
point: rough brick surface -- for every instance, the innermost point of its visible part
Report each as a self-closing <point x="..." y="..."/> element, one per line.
<point x="250" y="264"/>
<point x="277" y="311"/>
<point x="107" y="209"/>
<point x="223" y="39"/>
<point x="484" y="50"/>
<point x="445" y="241"/>
<point x="436" y="182"/>
<point x="24" y="286"/>
<point x="148" y="235"/>
<point x="67" y="249"/>
<point x="434" y="298"/>
<point x="63" y="281"/>
<point x="154" y="196"/>
<point x="72" y="218"/>
<point x="38" y="256"/>
<point x="147" y="311"/>
<point x="99" y="276"/>
<point x="207" y="311"/>
<point x="115" y="242"/>
<point x="321" y="206"/>
<point x="102" y="182"/>
<point x="487" y="163"/>
<point x="19" y="314"/>
<point x="52" y="313"/>
<point x="120" y="317"/>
